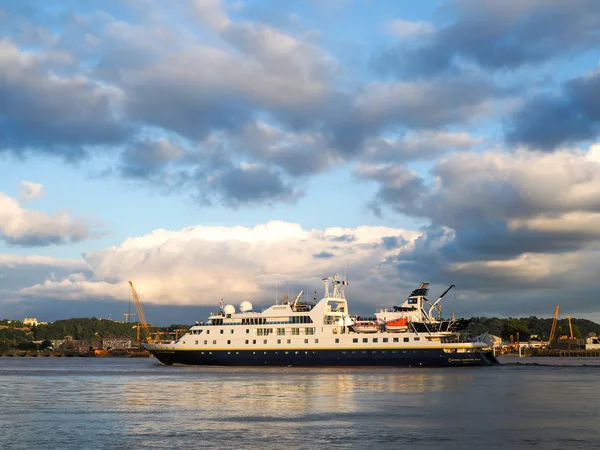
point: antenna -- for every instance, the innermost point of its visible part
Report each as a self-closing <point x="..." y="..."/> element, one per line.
<point x="345" y="269"/>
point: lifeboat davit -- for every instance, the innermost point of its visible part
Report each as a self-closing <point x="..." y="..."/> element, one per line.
<point x="397" y="325"/>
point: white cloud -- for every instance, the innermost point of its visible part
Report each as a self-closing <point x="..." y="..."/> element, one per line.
<point x="425" y="104"/>
<point x="201" y="264"/>
<point x="210" y="13"/>
<point x="30" y="190"/>
<point x="12" y="261"/>
<point x="406" y="29"/>
<point x="418" y="145"/>
<point x="520" y="185"/>
<point x="52" y="107"/>
<point x="75" y="287"/>
<point x="27" y="227"/>
<point x="471" y="188"/>
<point x="502" y="221"/>
<point x="533" y="271"/>
<point x="586" y="224"/>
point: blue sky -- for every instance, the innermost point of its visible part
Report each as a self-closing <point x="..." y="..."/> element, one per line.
<point x="189" y="145"/>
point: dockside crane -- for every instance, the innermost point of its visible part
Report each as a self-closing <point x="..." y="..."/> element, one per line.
<point x="140" y="314"/>
<point x="570" y="327"/>
<point x="554" y="321"/>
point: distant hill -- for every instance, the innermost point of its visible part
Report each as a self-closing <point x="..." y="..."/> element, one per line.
<point x="84" y="329"/>
<point x="12" y="333"/>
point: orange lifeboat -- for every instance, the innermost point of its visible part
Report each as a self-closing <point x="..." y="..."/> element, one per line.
<point x="396" y="325"/>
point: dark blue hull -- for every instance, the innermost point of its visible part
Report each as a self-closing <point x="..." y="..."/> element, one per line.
<point x="326" y="358"/>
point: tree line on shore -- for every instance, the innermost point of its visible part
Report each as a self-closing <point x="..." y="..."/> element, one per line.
<point x="13" y="334"/>
<point x="531" y="326"/>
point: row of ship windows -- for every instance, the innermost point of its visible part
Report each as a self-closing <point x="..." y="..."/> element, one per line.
<point x="289" y="341"/>
<point x="267" y="331"/>
<point x="337" y="341"/>
<point x="314" y="353"/>
<point x="262" y="321"/>
<point x="355" y="340"/>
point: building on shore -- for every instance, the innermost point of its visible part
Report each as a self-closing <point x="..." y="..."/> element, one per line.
<point x="592" y="342"/>
<point x="107" y="343"/>
<point x="117" y="343"/>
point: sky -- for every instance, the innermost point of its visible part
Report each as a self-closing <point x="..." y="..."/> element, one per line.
<point x="244" y="150"/>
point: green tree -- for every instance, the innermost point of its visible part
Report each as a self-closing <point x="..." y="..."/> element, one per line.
<point x="45" y="344"/>
<point x="514" y="326"/>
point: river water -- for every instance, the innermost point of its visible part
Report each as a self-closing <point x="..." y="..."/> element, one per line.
<point x="113" y="403"/>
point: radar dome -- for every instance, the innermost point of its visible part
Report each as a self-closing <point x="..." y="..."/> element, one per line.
<point x="229" y="309"/>
<point x="245" y="306"/>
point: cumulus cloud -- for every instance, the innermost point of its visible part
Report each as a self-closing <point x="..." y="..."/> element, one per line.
<point x="249" y="184"/>
<point x="414" y="146"/>
<point x="297" y="153"/>
<point x="547" y="121"/>
<point x="12" y="261"/>
<point x="426" y="103"/>
<point x="30" y="228"/>
<point x="191" y="89"/>
<point x="199" y="265"/>
<point x="46" y="112"/>
<point x="148" y="158"/>
<point x="476" y="188"/>
<point x="74" y="287"/>
<point x="500" y="221"/>
<point x="499" y="35"/>
<point x="31" y="190"/>
<point x="22" y="271"/>
<point x="400" y="187"/>
<point x="206" y="95"/>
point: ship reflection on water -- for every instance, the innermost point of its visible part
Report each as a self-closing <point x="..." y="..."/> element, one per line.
<point x="247" y="392"/>
<point x="115" y="403"/>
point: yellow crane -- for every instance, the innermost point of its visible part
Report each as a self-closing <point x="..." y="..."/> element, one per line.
<point x="140" y="314"/>
<point x="570" y="327"/>
<point x="554" y="321"/>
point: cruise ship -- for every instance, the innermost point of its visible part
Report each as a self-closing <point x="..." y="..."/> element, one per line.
<point x="324" y="333"/>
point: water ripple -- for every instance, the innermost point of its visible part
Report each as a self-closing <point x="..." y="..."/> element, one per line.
<point x="80" y="403"/>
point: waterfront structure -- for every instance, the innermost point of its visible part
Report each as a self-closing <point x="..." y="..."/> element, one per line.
<point x="117" y="343"/>
<point x="324" y="333"/>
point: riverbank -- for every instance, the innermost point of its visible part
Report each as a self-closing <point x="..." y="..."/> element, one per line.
<point x="70" y="354"/>
<point x="546" y="361"/>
